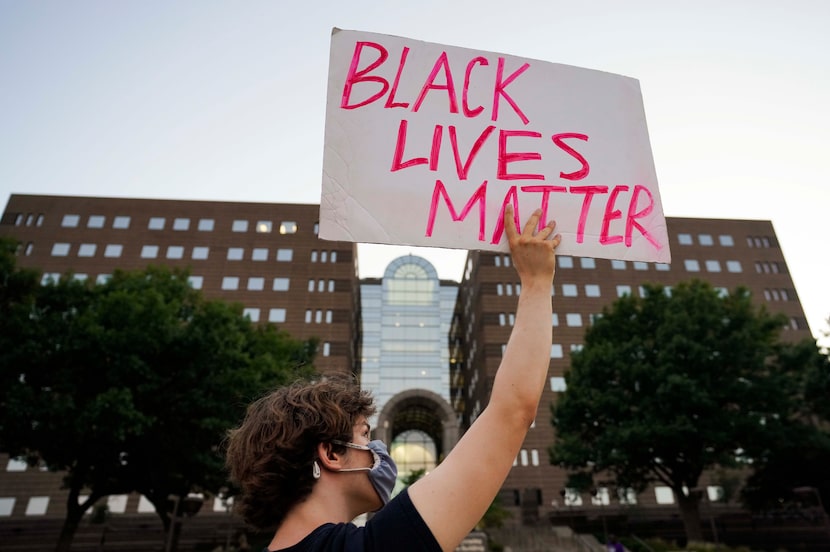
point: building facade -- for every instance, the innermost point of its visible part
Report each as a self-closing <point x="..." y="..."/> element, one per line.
<point x="726" y="253"/>
<point x="406" y="318"/>
<point x="428" y="349"/>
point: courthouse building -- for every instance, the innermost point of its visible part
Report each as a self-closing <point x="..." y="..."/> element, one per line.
<point x="427" y="348"/>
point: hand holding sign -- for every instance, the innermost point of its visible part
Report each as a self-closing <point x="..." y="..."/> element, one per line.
<point x="427" y="144"/>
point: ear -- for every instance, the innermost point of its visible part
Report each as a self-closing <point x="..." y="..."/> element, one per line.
<point x="328" y="458"/>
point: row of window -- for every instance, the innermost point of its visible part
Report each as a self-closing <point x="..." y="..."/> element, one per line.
<point x="602" y="496"/>
<point x="179" y="224"/>
<point x="199" y="253"/>
<point x="116" y="504"/>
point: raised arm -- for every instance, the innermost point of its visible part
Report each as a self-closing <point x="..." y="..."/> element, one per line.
<point x="454" y="496"/>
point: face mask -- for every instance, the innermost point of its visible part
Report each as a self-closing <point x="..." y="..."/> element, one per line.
<point x="383" y="473"/>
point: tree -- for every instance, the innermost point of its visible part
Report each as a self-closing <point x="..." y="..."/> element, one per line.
<point x="795" y="462"/>
<point x="667" y="386"/>
<point x="131" y="385"/>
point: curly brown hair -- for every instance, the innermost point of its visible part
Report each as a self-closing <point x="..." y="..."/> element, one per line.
<point x="270" y="454"/>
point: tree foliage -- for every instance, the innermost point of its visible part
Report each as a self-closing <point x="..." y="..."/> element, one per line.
<point x="667" y="386"/>
<point x="130" y="386"/>
<point x="793" y="468"/>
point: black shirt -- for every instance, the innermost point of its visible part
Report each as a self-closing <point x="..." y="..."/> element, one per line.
<point x="396" y="527"/>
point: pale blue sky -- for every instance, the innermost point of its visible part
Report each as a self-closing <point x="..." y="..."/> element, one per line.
<point x="226" y="100"/>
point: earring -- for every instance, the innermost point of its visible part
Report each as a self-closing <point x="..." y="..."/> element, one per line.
<point x="315" y="469"/>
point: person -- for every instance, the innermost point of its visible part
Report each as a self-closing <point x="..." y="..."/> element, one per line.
<point x="614" y="544"/>
<point x="306" y="466"/>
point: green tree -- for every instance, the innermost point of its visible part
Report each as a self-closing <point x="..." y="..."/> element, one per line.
<point x="667" y="386"/>
<point x="794" y="466"/>
<point x="131" y="385"/>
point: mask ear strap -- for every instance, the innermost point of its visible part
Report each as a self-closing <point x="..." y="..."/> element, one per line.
<point x="315" y="470"/>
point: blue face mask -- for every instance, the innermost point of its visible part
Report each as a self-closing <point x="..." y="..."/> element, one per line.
<point x="383" y="473"/>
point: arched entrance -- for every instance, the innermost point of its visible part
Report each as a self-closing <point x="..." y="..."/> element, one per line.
<point x="422" y="423"/>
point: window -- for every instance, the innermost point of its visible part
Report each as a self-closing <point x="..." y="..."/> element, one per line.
<point x="640" y="265"/>
<point x="230" y="282"/>
<point x="280" y="284"/>
<point x="50" y="278"/>
<point x="264" y="227"/>
<point x="276" y="315"/>
<point x="601" y="497"/>
<point x="572" y="497"/>
<point x="113" y="250"/>
<point x="60" y="250"/>
<point x="326" y="349"/>
<point x="692" y="265"/>
<point x="37" y="506"/>
<point x="285" y="255"/>
<point x="569" y="290"/>
<point x="576" y="347"/>
<point x="565" y="262"/>
<point x="316" y="228"/>
<point x="256" y="283"/>
<point x="554" y="319"/>
<point x="623" y="290"/>
<point x="6" y="506"/>
<point x="16" y="465"/>
<point x="308" y="315"/>
<point x="239" y="226"/>
<point x="726" y="240"/>
<point x="259" y="254"/>
<point x="314" y="256"/>
<point x="734" y="266"/>
<point x="534" y="457"/>
<point x="156" y="223"/>
<point x="205" y="225"/>
<point x="103" y="278"/>
<point x="557" y="384"/>
<point x="556" y="351"/>
<point x="146" y="507"/>
<point x="662" y="267"/>
<point x="705" y="239"/>
<point x="80" y="277"/>
<point x="149" y="251"/>
<point x="200" y="253"/>
<point x="251" y="313"/>
<point x="235" y="253"/>
<point x="181" y="224"/>
<point x="618" y="265"/>
<point x="684" y="239"/>
<point x="712" y="266"/>
<point x="121" y="222"/>
<point x="117" y="504"/>
<point x="329" y="316"/>
<point x="175" y="252"/>
<point x="663" y="494"/>
<point x="96" y="221"/>
<point x="288" y="227"/>
<point x="87" y="250"/>
<point x="196" y="281"/>
<point x="573" y="319"/>
<point x="627" y="496"/>
<point x="523" y="456"/>
<point x="587" y="262"/>
<point x="70" y="221"/>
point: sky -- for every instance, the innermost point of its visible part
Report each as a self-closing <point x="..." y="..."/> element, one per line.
<point x="220" y="100"/>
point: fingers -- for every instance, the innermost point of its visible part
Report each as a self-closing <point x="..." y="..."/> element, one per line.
<point x="529" y="230"/>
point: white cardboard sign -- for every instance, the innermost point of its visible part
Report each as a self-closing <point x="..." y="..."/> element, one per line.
<point x="425" y="144"/>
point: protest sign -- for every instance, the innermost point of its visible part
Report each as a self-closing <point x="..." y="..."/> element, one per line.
<point x="425" y="144"/>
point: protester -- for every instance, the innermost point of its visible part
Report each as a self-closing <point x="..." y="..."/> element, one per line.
<point x="306" y="466"/>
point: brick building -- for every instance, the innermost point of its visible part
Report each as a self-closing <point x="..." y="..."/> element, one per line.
<point x="268" y="258"/>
